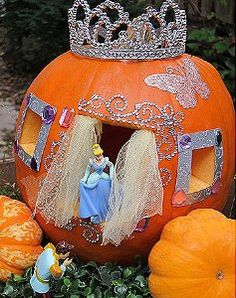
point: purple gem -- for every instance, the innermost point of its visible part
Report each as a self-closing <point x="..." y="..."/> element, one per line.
<point x="16" y="147"/>
<point x="48" y="115"/>
<point x="185" y="142"/>
<point x="27" y="100"/>
<point x="33" y="164"/>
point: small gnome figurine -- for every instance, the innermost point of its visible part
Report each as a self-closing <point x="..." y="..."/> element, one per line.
<point x="47" y="266"/>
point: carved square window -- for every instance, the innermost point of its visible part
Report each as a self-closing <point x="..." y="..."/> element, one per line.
<point x="200" y="163"/>
<point x="35" y="124"/>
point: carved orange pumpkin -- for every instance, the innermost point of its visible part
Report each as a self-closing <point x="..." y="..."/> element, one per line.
<point x="70" y="78"/>
<point x="20" y="238"/>
<point x="195" y="257"/>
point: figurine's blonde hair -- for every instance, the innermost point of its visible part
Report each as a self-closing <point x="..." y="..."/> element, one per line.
<point x="97" y="150"/>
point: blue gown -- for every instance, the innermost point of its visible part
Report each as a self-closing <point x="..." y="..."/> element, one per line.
<point x="95" y="189"/>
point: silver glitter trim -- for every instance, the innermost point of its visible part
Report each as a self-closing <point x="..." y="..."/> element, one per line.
<point x="184" y="81"/>
<point x="37" y="106"/>
<point x="90" y="233"/>
<point x="165" y="176"/>
<point x="53" y="151"/>
<point x="199" y="140"/>
<point x="136" y="39"/>
<point x="166" y="123"/>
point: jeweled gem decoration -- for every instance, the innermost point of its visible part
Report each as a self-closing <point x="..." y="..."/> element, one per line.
<point x="185" y="142"/>
<point x="142" y="225"/>
<point x="33" y="164"/>
<point x="184" y="80"/>
<point x="216" y="186"/>
<point x="67" y="117"/>
<point x="179" y="198"/>
<point x="16" y="147"/>
<point x="48" y="115"/>
<point x="98" y="35"/>
<point x="218" y="138"/>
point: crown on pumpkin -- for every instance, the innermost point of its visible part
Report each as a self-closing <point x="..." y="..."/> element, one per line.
<point x="107" y="32"/>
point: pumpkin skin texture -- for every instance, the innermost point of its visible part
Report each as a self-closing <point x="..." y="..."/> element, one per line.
<point x="20" y="238"/>
<point x="195" y="257"/>
<point x="70" y="78"/>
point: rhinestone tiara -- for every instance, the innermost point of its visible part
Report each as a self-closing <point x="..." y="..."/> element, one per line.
<point x="150" y="36"/>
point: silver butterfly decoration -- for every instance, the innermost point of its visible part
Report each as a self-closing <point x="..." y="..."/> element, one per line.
<point x="184" y="81"/>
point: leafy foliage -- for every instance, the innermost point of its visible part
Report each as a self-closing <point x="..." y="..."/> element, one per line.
<point x="87" y="280"/>
<point x="37" y="32"/>
<point x="83" y="279"/>
<point x="216" y="44"/>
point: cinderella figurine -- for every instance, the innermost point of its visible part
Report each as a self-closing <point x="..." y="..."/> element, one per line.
<point x="95" y="187"/>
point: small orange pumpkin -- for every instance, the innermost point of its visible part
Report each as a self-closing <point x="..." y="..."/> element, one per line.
<point x="20" y="238"/>
<point x="195" y="257"/>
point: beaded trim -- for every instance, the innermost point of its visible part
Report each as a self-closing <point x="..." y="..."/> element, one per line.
<point x="166" y="123"/>
<point x="90" y="233"/>
<point x="54" y="148"/>
<point x="195" y="141"/>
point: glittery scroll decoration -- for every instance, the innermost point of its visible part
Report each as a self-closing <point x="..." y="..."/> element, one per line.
<point x="195" y="141"/>
<point x="42" y="109"/>
<point x="90" y="233"/>
<point x="164" y="120"/>
<point x="54" y="147"/>
<point x="149" y="36"/>
<point x="184" y="81"/>
<point x="165" y="176"/>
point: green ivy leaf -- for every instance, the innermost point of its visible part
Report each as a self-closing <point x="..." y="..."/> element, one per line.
<point x="93" y="283"/>
<point x="78" y="284"/>
<point x="120" y="290"/>
<point x="88" y="291"/>
<point x="67" y="282"/>
<point x="90" y="264"/>
<point x="115" y="275"/>
<point x="141" y="281"/>
<point x="8" y="290"/>
<point x="127" y="273"/>
<point x="64" y="289"/>
<point x="18" y="278"/>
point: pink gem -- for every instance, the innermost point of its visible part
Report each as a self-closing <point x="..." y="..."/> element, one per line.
<point x="216" y="187"/>
<point x="67" y="117"/>
<point x="142" y="225"/>
<point x="179" y="198"/>
<point x="16" y="147"/>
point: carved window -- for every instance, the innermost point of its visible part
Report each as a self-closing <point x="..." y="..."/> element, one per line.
<point x="35" y="124"/>
<point x="200" y="164"/>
